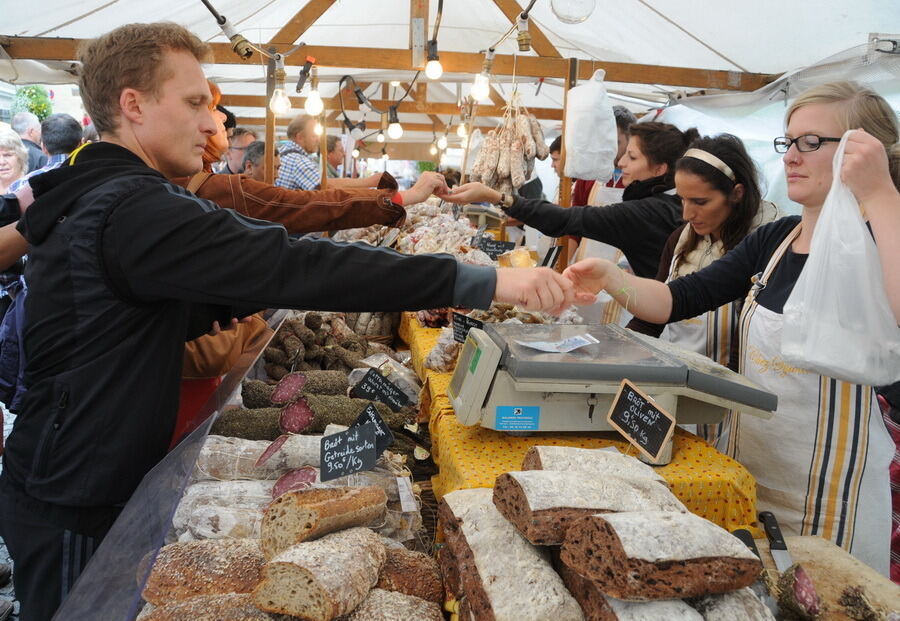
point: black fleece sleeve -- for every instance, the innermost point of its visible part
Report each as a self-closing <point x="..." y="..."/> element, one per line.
<point x="665" y="264"/>
<point x="167" y="244"/>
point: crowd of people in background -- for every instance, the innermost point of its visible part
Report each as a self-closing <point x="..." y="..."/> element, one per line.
<point x="688" y="250"/>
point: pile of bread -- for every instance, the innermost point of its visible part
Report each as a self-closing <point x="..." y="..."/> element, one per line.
<point x="315" y="559"/>
<point x="590" y="534"/>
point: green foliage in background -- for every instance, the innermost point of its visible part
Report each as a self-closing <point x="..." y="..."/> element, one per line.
<point x="34" y="99"/>
<point x="423" y="166"/>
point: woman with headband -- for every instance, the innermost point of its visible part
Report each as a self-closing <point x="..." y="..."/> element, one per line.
<point x="721" y="204"/>
<point x="822" y="462"/>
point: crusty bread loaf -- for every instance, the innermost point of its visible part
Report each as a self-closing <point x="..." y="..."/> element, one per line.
<point x="507" y="578"/>
<point x="305" y="514"/>
<point x="598" y="607"/>
<point x="382" y="605"/>
<point x="657" y="555"/>
<point x="322" y="579"/>
<point x="595" y="461"/>
<point x="411" y="573"/>
<point x="740" y="604"/>
<point x="209" y="567"/>
<point x="542" y="504"/>
<point x="227" y="607"/>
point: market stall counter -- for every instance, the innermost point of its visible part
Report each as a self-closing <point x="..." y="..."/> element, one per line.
<point x="709" y="483"/>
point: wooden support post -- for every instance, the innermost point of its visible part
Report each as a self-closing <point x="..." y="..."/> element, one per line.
<point x="565" y="183"/>
<point x="269" y="153"/>
<point x="323" y="153"/>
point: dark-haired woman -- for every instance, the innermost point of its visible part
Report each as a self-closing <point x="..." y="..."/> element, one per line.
<point x="721" y="203"/>
<point x="639" y="225"/>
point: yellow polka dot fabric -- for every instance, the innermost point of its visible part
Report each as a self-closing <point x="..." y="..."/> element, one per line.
<point x="709" y="483"/>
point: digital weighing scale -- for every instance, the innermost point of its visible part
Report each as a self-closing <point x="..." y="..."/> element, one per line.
<point x="504" y="385"/>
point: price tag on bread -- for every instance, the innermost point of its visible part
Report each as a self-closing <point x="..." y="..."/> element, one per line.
<point x="376" y="387"/>
<point x="347" y="452"/>
<point x="644" y="424"/>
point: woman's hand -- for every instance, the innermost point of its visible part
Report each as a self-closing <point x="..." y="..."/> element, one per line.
<point x="472" y="193"/>
<point x="865" y="167"/>
<point x="590" y="277"/>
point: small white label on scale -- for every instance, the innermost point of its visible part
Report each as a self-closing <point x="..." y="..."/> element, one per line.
<point x="561" y="347"/>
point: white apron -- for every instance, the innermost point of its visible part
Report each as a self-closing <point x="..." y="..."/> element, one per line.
<point x="822" y="462"/>
<point x="605" y="309"/>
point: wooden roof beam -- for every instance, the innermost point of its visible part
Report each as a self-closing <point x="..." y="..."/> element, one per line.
<point x="301" y="22"/>
<point x="252" y="121"/>
<point x="40" y="48"/>
<point x="539" y="41"/>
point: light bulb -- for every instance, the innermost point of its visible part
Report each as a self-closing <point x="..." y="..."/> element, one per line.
<point x="395" y="83"/>
<point x="434" y="69"/>
<point x="380" y="137"/>
<point x="481" y="87"/>
<point x="433" y="149"/>
<point x="572" y="11"/>
<point x="442" y="143"/>
<point x="280" y="103"/>
<point x="384" y="156"/>
<point x="318" y="129"/>
<point x="461" y="130"/>
<point x="355" y="153"/>
<point x="395" y="130"/>
<point x="313" y="104"/>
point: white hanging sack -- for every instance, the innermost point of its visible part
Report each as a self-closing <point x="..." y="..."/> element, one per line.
<point x="591" y="137"/>
<point x="837" y="320"/>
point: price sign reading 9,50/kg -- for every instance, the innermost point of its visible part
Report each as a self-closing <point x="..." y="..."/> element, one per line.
<point x="644" y="424"/>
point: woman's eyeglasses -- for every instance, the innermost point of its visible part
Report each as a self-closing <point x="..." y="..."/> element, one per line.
<point x="804" y="143"/>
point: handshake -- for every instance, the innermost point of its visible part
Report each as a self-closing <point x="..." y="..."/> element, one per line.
<point x="543" y="289"/>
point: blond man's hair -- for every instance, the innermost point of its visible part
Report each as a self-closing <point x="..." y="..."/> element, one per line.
<point x="130" y="56"/>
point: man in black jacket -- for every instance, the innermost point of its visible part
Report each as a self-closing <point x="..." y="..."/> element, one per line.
<point x="121" y="260"/>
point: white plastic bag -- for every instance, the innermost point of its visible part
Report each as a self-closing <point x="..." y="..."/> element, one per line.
<point x="591" y="138"/>
<point x="837" y="320"/>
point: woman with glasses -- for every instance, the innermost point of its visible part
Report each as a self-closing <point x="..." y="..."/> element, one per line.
<point x="721" y="201"/>
<point x="822" y="463"/>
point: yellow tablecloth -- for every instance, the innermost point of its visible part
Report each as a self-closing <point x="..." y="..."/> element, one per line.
<point x="709" y="483"/>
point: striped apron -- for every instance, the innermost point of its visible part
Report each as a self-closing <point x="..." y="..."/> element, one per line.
<point x="822" y="462"/>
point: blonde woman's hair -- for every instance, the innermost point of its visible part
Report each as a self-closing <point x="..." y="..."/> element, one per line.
<point x="862" y="107"/>
<point x="10" y="141"/>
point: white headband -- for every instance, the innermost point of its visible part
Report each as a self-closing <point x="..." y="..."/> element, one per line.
<point x="713" y="161"/>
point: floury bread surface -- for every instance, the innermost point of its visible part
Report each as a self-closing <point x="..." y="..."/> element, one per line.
<point x="507" y="578"/>
<point x="595" y="461"/>
<point x="543" y="503"/>
<point x="657" y="555"/>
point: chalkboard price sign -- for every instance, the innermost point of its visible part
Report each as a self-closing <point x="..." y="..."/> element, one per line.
<point x="492" y="247"/>
<point x="375" y="386"/>
<point x="347" y="452"/>
<point x="637" y="417"/>
<point x="384" y="437"/>
<point x="461" y="326"/>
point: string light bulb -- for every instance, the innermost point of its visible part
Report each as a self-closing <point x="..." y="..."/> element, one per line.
<point x="461" y="130"/>
<point x="481" y="88"/>
<point x="395" y="83"/>
<point x="433" y="68"/>
<point x="395" y="130"/>
<point x="313" y="104"/>
<point x="318" y="129"/>
<point x="433" y="149"/>
<point x="384" y="155"/>
<point x="380" y="136"/>
<point x="279" y="103"/>
<point x="442" y="143"/>
<point x="355" y="153"/>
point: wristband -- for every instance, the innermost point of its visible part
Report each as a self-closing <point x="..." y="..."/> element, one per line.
<point x="397" y="199"/>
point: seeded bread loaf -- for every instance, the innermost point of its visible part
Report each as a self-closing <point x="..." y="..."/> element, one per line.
<point x="740" y="604"/>
<point x="506" y="578"/>
<point x="542" y="504"/>
<point x="598" y="607"/>
<point x="208" y="567"/>
<point x="322" y="579"/>
<point x="381" y="605"/>
<point x="305" y="514"/>
<point x="595" y="461"/>
<point x="227" y="607"/>
<point x="657" y="555"/>
<point x="411" y="573"/>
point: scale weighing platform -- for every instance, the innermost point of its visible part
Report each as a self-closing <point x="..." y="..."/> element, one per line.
<point x="504" y="385"/>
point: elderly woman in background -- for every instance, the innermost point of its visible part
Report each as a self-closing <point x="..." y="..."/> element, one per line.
<point x="13" y="159"/>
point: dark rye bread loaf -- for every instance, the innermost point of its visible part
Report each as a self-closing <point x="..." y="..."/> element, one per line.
<point x="594" y="461"/>
<point x="598" y="607"/>
<point x="381" y="605"/>
<point x="322" y="579"/>
<point x="657" y="555"/>
<point x="206" y="567"/>
<point x="411" y="573"/>
<point x="542" y="504"/>
<point x="740" y="604"/>
<point x="505" y="577"/>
